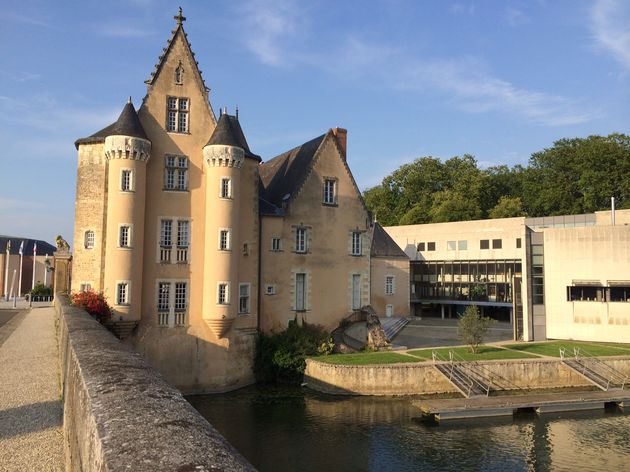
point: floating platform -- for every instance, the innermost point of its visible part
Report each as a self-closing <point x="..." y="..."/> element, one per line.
<point x="508" y="405"/>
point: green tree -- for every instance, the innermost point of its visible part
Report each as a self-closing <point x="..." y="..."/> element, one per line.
<point x="453" y="206"/>
<point x="507" y="207"/>
<point x="472" y="327"/>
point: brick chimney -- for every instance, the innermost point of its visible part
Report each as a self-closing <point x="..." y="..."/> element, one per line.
<point x="342" y="138"/>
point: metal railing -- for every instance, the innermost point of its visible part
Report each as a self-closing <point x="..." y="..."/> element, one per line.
<point x="588" y="365"/>
<point x="457" y="372"/>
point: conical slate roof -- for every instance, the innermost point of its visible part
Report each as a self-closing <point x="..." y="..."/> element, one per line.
<point x="228" y="132"/>
<point x="127" y="124"/>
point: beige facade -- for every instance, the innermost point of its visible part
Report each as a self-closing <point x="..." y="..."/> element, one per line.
<point x="188" y="234"/>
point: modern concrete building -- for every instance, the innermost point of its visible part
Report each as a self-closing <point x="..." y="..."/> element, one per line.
<point x="200" y="244"/>
<point x="36" y="255"/>
<point x="560" y="277"/>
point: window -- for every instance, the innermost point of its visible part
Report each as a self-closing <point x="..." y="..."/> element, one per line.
<point x="176" y="173"/>
<point x="451" y="245"/>
<point x="421" y="246"/>
<point x="85" y="287"/>
<point x="243" y="298"/>
<point x="89" y="239"/>
<point x="389" y="285"/>
<point x="538" y="281"/>
<point x="300" y="240"/>
<point x="223" y="293"/>
<point x="166" y="240"/>
<point x="270" y="289"/>
<point x="330" y="191"/>
<point x="183" y="240"/>
<point x="177" y="115"/>
<point x="518" y="243"/>
<point x="224" y="240"/>
<point x="125" y="180"/>
<point x="619" y="294"/>
<point x="300" y="292"/>
<point x="122" y="293"/>
<point x="164" y="297"/>
<point x="124" y="236"/>
<point x="356" y="291"/>
<point x="462" y="245"/>
<point x="497" y="244"/>
<point x="588" y="293"/>
<point x="356" y="243"/>
<point x="172" y="303"/>
<point x="275" y="244"/>
<point x="430" y="246"/>
<point x="484" y="244"/>
<point x="226" y="188"/>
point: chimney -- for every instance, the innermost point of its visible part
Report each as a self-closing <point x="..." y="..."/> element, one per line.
<point x="342" y="138"/>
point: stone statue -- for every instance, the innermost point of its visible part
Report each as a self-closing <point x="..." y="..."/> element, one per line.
<point x="62" y="244"/>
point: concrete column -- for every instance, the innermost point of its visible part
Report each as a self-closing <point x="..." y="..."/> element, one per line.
<point x="442" y="307"/>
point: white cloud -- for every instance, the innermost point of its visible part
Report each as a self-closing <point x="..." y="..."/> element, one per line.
<point x="11" y="17"/>
<point x="610" y="24"/>
<point x="462" y="8"/>
<point x="515" y="16"/>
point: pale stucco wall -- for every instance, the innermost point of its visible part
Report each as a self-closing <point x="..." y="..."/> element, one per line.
<point x="597" y="254"/>
<point x="399" y="269"/>
<point x="328" y="263"/>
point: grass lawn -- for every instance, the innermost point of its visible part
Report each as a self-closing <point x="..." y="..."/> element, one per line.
<point x="366" y="358"/>
<point x="485" y="353"/>
<point x="552" y="348"/>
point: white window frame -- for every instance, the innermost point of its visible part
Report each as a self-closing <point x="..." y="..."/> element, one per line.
<point x="301" y="238"/>
<point x="89" y="239"/>
<point x="130" y="187"/>
<point x="462" y="245"/>
<point x="126" y="299"/>
<point x="225" y="188"/>
<point x="356" y="243"/>
<point x="270" y="289"/>
<point x="329" y="196"/>
<point x="227" y="232"/>
<point x="223" y="299"/>
<point x="177" y="114"/>
<point x="169" y="314"/>
<point x="171" y="249"/>
<point x="300" y="294"/>
<point x="356" y="297"/>
<point x="176" y="172"/>
<point x="390" y="285"/>
<point x="276" y="244"/>
<point x="451" y="245"/>
<point x="247" y="298"/>
<point x="85" y="286"/>
<point x="129" y="241"/>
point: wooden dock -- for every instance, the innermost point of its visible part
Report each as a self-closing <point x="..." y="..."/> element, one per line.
<point x="508" y="405"/>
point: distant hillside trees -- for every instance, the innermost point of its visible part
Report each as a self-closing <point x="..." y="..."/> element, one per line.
<point x="574" y="176"/>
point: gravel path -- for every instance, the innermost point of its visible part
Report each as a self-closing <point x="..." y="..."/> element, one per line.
<point x="31" y="437"/>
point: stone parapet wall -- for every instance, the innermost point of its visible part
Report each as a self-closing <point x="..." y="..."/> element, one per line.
<point x="423" y="379"/>
<point x="120" y="414"/>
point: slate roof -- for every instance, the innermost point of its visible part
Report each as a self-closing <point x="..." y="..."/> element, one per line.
<point x="228" y="132"/>
<point x="383" y="245"/>
<point x="42" y="246"/>
<point x="283" y="175"/>
<point x="127" y="124"/>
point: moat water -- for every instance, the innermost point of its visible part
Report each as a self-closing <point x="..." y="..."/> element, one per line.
<point x="294" y="429"/>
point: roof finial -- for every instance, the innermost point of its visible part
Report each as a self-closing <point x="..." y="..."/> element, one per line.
<point x="179" y="17"/>
<point x="129" y="99"/>
<point x="237" y="112"/>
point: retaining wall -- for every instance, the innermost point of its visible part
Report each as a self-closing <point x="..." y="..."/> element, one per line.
<point x="422" y="378"/>
<point x="120" y="414"/>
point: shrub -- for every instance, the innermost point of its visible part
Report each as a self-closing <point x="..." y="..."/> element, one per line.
<point x="472" y="327"/>
<point x="94" y="303"/>
<point x="281" y="357"/>
<point x="41" y="290"/>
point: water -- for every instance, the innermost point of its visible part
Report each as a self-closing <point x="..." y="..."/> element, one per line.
<point x="292" y="429"/>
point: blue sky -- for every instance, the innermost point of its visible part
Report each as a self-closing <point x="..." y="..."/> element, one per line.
<point x="407" y="78"/>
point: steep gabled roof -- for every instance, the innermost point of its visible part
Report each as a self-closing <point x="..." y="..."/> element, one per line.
<point x="228" y="132"/>
<point x="127" y="124"/>
<point x="42" y="246"/>
<point x="383" y="245"/>
<point x="283" y="175"/>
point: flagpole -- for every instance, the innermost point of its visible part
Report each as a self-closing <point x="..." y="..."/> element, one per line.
<point x="6" y="272"/>
<point x="46" y="272"/>
<point x="34" y="266"/>
<point x="19" y="292"/>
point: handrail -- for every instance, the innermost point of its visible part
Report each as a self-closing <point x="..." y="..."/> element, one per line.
<point x="597" y="368"/>
<point x="463" y="364"/>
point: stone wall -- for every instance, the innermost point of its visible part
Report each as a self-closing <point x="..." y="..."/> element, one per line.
<point x="422" y="378"/>
<point x="119" y="414"/>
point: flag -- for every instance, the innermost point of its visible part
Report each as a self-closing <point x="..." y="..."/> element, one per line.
<point x="35" y="249"/>
<point x="8" y="246"/>
<point x="21" y="251"/>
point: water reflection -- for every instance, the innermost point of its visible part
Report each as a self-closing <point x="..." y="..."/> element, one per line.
<point x="286" y="429"/>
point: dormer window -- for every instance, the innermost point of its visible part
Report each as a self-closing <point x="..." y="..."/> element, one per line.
<point x="179" y="74"/>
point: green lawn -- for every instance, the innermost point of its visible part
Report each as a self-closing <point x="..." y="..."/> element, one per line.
<point x="552" y="348"/>
<point x="485" y="353"/>
<point x="366" y="358"/>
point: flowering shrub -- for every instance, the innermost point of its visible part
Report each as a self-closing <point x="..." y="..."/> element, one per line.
<point x="94" y="303"/>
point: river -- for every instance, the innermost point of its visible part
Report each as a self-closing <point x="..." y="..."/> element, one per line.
<point x="292" y="429"/>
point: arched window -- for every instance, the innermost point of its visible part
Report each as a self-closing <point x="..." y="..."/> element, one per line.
<point x="89" y="239"/>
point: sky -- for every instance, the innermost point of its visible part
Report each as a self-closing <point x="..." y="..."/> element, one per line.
<point x="407" y="78"/>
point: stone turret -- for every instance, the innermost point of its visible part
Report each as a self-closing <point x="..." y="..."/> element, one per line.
<point x="127" y="150"/>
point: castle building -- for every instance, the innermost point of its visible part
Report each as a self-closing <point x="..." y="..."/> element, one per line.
<point x="201" y="244"/>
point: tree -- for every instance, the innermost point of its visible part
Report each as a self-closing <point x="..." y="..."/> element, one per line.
<point x="453" y="206"/>
<point x="507" y="207"/>
<point x="472" y="327"/>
